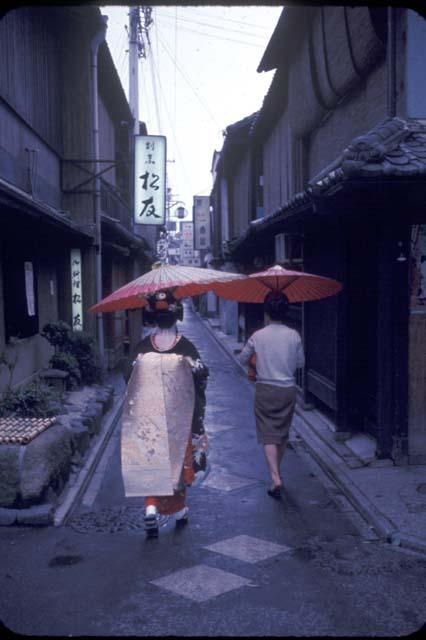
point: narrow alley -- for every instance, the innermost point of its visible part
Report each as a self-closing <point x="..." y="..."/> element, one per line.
<point x="246" y="565"/>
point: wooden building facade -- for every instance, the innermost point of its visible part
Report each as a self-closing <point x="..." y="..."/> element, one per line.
<point x="46" y="180"/>
<point x="341" y="135"/>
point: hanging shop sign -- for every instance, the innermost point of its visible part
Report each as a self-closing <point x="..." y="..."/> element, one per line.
<point x="201" y="222"/>
<point x="76" y="290"/>
<point x="187" y="244"/>
<point x="150" y="180"/>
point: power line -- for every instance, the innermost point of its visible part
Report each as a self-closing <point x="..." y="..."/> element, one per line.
<point x="209" y="35"/>
<point x="188" y="82"/>
<point x="123" y="60"/>
<point x="145" y="104"/>
<point x="214" y="26"/>
<point x="209" y="15"/>
<point x="119" y="49"/>
<point x="169" y="118"/>
<point x="154" y="86"/>
<point x="116" y="45"/>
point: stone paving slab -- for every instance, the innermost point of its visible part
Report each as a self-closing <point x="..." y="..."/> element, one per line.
<point x="247" y="548"/>
<point x="201" y="583"/>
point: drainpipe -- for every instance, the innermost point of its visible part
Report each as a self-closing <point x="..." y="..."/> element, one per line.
<point x="391" y="63"/>
<point x="97" y="39"/>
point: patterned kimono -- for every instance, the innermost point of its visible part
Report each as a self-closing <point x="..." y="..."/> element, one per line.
<point x="195" y="461"/>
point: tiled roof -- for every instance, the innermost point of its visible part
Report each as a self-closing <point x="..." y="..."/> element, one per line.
<point x="236" y="137"/>
<point x="273" y="105"/>
<point x="244" y="122"/>
<point x="292" y="23"/>
<point x="303" y="197"/>
<point x="395" y="148"/>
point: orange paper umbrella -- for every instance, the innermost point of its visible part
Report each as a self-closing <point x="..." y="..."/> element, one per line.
<point x="297" y="286"/>
<point x="183" y="281"/>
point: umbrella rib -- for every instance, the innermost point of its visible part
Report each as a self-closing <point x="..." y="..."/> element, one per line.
<point x="287" y="284"/>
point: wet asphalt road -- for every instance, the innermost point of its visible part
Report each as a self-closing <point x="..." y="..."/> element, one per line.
<point x="246" y="565"/>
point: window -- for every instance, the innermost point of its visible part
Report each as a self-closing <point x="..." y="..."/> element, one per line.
<point x="289" y="250"/>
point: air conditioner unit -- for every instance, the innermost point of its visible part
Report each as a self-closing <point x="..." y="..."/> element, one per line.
<point x="280" y="248"/>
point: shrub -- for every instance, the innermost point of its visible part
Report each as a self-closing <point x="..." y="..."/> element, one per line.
<point x="36" y="399"/>
<point x="57" y="333"/>
<point x="83" y="348"/>
<point x="65" y="361"/>
<point x="75" y="352"/>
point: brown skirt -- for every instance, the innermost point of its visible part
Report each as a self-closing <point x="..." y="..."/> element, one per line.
<point x="274" y="408"/>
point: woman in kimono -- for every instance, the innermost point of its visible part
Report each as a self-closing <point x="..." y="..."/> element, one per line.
<point x="165" y="339"/>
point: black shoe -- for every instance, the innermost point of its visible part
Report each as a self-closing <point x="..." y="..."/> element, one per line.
<point x="151" y="526"/>
<point x="275" y="493"/>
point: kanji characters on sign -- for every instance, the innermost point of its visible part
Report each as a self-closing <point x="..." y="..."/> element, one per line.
<point x="76" y="290"/>
<point x="150" y="179"/>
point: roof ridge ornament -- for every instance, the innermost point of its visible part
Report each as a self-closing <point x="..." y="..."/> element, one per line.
<point x="373" y="146"/>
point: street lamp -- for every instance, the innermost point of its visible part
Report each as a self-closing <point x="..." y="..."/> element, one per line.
<point x="181" y="211"/>
<point x="164" y="240"/>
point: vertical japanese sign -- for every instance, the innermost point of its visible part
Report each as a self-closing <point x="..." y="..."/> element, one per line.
<point x="187" y="245"/>
<point x="76" y="290"/>
<point x="201" y="222"/>
<point x="150" y="180"/>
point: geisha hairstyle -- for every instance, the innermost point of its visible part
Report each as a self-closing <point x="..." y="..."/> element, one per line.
<point x="164" y="309"/>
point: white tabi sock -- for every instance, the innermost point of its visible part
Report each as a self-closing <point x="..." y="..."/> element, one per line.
<point x="182" y="513"/>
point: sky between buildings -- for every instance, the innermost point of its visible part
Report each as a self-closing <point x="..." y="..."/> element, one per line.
<point x="199" y="76"/>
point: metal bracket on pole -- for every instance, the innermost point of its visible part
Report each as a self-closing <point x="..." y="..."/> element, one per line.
<point x="79" y="164"/>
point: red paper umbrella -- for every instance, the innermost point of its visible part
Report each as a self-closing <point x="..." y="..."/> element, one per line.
<point x="183" y="281"/>
<point x="297" y="286"/>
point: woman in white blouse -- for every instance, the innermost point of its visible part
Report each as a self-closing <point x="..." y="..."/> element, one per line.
<point x="279" y="352"/>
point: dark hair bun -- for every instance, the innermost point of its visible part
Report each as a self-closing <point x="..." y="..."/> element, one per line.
<point x="276" y="305"/>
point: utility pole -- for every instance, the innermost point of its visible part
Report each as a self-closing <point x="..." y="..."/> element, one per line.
<point x="134" y="67"/>
<point x="97" y="40"/>
<point x="139" y="22"/>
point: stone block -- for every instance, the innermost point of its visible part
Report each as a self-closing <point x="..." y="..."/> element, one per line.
<point x="105" y="398"/>
<point x="58" y="408"/>
<point x="94" y="410"/>
<point x="38" y="515"/>
<point x="46" y="461"/>
<point x="98" y="406"/>
<point x="7" y="516"/>
<point x="9" y="474"/>
<point x="80" y="436"/>
<point x="89" y="421"/>
<point x="55" y="377"/>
